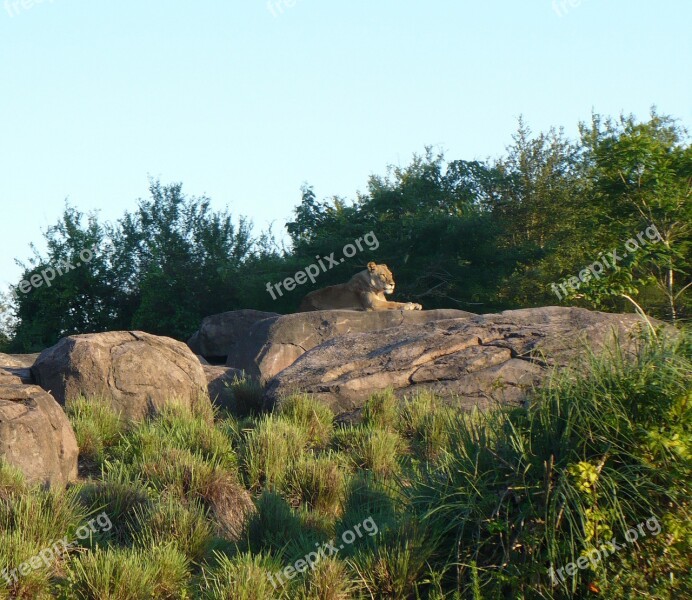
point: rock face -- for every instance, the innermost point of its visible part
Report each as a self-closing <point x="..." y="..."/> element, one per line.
<point x="475" y="361"/>
<point x="14" y="368"/>
<point x="273" y="344"/>
<point x="36" y="436"/>
<point x="219" y="380"/>
<point x="219" y="335"/>
<point x="138" y="372"/>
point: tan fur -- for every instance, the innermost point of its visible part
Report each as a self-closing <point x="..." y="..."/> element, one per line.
<point x="365" y="291"/>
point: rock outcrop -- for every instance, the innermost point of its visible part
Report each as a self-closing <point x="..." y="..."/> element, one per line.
<point x="136" y="371"/>
<point x="273" y="344"/>
<point x="219" y="335"/>
<point x="476" y="361"/>
<point x="15" y="368"/>
<point x="36" y="436"/>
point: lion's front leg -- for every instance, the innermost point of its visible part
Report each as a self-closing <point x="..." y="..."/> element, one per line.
<point x="372" y="302"/>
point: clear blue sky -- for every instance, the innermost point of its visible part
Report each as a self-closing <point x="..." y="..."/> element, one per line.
<point x="244" y="106"/>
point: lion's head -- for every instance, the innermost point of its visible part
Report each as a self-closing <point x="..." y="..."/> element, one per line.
<point x="381" y="278"/>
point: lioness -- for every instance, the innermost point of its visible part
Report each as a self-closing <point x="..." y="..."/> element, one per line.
<point x="365" y="291"/>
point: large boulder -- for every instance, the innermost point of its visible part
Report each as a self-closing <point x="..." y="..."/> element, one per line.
<point x="35" y="435"/>
<point x="219" y="335"/>
<point x="136" y="371"/>
<point x="273" y="344"/>
<point x="477" y="361"/>
<point x="14" y="368"/>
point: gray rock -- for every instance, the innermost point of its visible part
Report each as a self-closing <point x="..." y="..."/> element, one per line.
<point x="273" y="344"/>
<point x="476" y="361"/>
<point x="136" y="371"/>
<point x="36" y="436"/>
<point x="219" y="335"/>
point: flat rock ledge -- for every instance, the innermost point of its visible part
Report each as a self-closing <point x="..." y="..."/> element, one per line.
<point x="478" y="361"/>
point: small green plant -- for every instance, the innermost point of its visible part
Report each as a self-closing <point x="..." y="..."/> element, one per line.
<point x="382" y="410"/>
<point x="247" y="396"/>
<point x="373" y="449"/>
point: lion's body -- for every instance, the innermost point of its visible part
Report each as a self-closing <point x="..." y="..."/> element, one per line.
<point x="364" y="291"/>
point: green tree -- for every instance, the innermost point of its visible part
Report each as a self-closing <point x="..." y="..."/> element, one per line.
<point x="642" y="177"/>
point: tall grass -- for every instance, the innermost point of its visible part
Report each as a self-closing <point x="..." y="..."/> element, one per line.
<point x="467" y="505"/>
<point x="529" y="489"/>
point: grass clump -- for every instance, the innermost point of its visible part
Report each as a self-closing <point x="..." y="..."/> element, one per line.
<point x="540" y="487"/>
<point x="382" y="410"/>
<point x="246" y="576"/>
<point x="247" y="397"/>
<point x="271" y="449"/>
<point x="466" y="505"/>
<point x="372" y="449"/>
<point x="331" y="579"/>
<point x="97" y="427"/>
<point x="171" y="522"/>
<point x="311" y="415"/>
<point x="128" y="574"/>
<point x="319" y="482"/>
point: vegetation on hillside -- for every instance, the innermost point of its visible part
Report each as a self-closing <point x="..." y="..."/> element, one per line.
<point x="475" y="235"/>
<point x="448" y="505"/>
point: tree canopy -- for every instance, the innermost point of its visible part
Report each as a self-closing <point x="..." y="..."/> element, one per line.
<point x="477" y="235"/>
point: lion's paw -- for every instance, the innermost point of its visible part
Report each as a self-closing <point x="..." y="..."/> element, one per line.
<point x="412" y="306"/>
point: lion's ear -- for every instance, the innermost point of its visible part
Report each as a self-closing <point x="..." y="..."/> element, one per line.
<point x="371" y="266"/>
